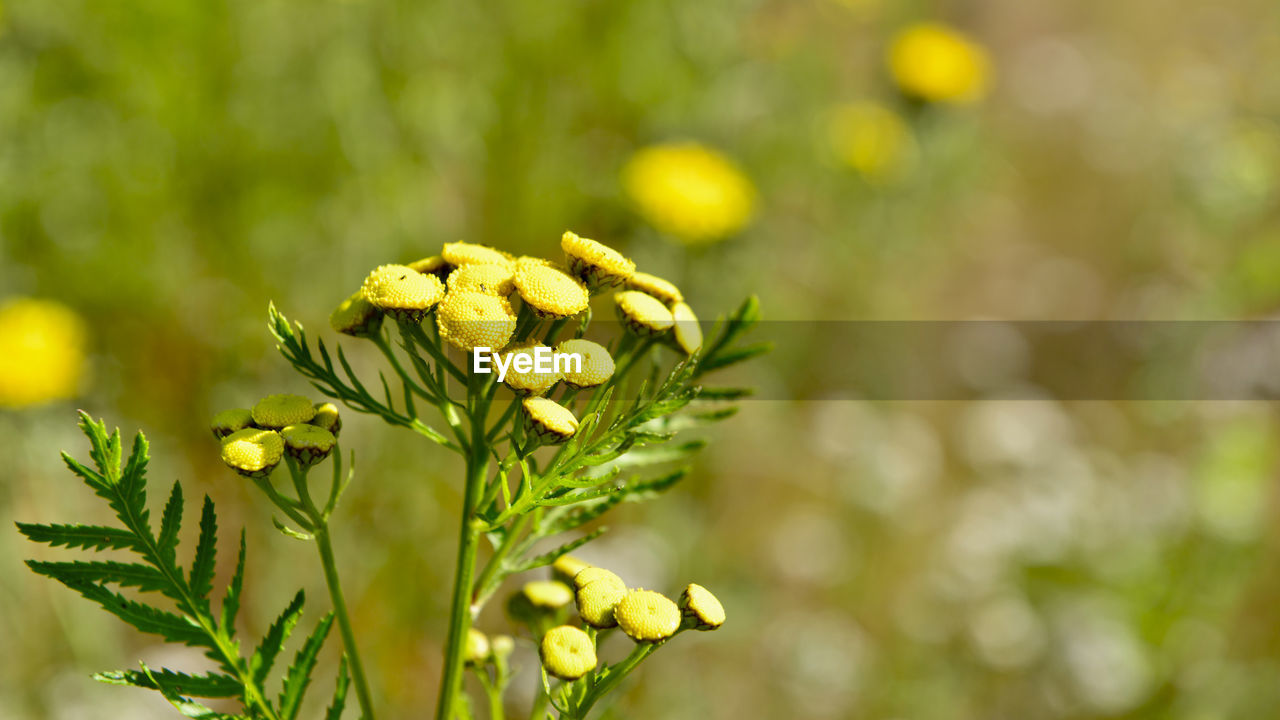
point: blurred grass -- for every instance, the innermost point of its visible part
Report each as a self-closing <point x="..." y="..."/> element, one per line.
<point x="168" y="168"/>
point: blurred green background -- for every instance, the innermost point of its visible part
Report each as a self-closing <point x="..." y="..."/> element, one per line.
<point x="170" y="167"/>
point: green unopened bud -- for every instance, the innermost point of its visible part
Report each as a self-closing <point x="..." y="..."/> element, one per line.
<point x="229" y="421"/>
<point x="567" y="652"/>
<point x="566" y="567"/>
<point x="278" y="411"/>
<point x="253" y="452"/>
<point x="307" y="444"/>
<point x="701" y="609"/>
<point x="327" y="417"/>
<point x="477" y="650"/>
<point x="356" y="316"/>
<point x="598" y="594"/>
<point x="647" y="616"/>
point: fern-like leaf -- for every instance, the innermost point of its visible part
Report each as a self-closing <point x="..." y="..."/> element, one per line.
<point x="202" y="567"/>
<point x="87" y="537"/>
<point x="265" y="654"/>
<point x="206" y="686"/>
<point x="298" y="677"/>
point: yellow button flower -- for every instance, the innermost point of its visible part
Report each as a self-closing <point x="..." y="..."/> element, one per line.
<point x="253" y="452"/>
<point x="567" y="652"/>
<point x="939" y="64"/>
<point x="598" y="592"/>
<point x="549" y="421"/>
<point x="566" y="566"/>
<point x="871" y="139"/>
<point x="597" y="264"/>
<point x="689" y="191"/>
<point x="701" y="608"/>
<point x="488" y="279"/>
<point x="530" y="382"/>
<point x="647" y="616"/>
<point x="547" y="594"/>
<point x="653" y="285"/>
<point x="307" y="443"/>
<point x="277" y="411"/>
<point x="643" y="314"/>
<point x="356" y="316"/>
<point x="470" y="320"/>
<point x="42" y="352"/>
<point x="465" y="253"/>
<point x="327" y="417"/>
<point x="597" y="364"/>
<point x="687" y="330"/>
<point x="477" y="649"/>
<point x="402" y="291"/>
<point x="550" y="291"/>
<point x="229" y="421"/>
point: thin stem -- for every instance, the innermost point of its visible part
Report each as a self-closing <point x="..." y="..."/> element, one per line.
<point x="616" y="674"/>
<point x="489" y="576"/>
<point x="344" y="620"/>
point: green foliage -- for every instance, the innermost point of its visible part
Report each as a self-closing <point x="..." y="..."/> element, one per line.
<point x="190" y="619"/>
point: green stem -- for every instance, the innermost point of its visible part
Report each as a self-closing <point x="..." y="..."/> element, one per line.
<point x="492" y="568"/>
<point x="616" y="675"/>
<point x="344" y="620"/>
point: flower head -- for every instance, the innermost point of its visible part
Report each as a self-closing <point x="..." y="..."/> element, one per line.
<point x="567" y="566"/>
<point x="547" y="594"/>
<point x="277" y="411"/>
<point x="531" y="382"/>
<point x="939" y="64"/>
<point x="307" y="444"/>
<point x="470" y="320"/>
<point x="501" y="645"/>
<point x="871" y="139"/>
<point x="402" y="291"/>
<point x="548" y="421"/>
<point x="598" y="592"/>
<point x="465" y="253"/>
<point x="689" y="191"/>
<point x="229" y="421"/>
<point x="647" y="616"/>
<point x="327" y="417"/>
<point x="253" y="452"/>
<point x="597" y="364"/>
<point x="643" y="314"/>
<point x="701" y="608"/>
<point x="595" y="263"/>
<point x="356" y="316"/>
<point x="42" y="352"/>
<point x="477" y="650"/>
<point x="434" y="265"/>
<point x="567" y="652"/>
<point x="653" y="285"/>
<point x="488" y="279"/>
<point x="688" y="332"/>
<point x="550" y="291"/>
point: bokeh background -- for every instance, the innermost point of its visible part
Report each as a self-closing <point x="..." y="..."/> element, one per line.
<point x="168" y="168"/>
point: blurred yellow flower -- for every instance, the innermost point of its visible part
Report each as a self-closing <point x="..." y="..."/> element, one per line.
<point x="939" y="64"/>
<point x="871" y="139"/>
<point x="689" y="191"/>
<point x="42" y="352"/>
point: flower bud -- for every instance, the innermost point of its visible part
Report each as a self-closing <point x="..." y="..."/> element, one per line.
<point x="597" y="364"/>
<point x="595" y="263"/>
<point x="327" y="417"/>
<point x="550" y="291"/>
<point x="501" y="645"/>
<point x="465" y="253"/>
<point x="531" y="382"/>
<point x="687" y="330"/>
<point x="642" y="314"/>
<point x="252" y="452"/>
<point x="547" y="594"/>
<point x="229" y="421"/>
<point x="307" y="444"/>
<point x="647" y="616"/>
<point x="402" y="292"/>
<point x="356" y="316"/>
<point x="598" y="594"/>
<point x="653" y="285"/>
<point x="434" y="265"/>
<point x="566" y="567"/>
<point x="567" y="653"/>
<point x="701" y="609"/>
<point x="477" y="650"/>
<point x="548" y="421"/>
<point x="278" y="411"/>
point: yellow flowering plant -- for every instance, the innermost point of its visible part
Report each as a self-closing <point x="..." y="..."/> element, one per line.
<point x="547" y="453"/>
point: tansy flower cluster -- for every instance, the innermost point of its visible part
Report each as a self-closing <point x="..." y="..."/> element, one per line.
<point x="255" y="440"/>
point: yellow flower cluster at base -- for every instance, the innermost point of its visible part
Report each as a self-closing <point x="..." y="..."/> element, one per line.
<point x="689" y="191"/>
<point x="42" y="352"/>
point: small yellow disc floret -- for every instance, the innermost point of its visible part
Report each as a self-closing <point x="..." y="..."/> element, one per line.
<point x="277" y="411"/>
<point x="549" y="421"/>
<point x="701" y="607"/>
<point x="567" y="652"/>
<point x="647" y="616"/>
<point x="229" y="421"/>
<point x="597" y="364"/>
<point x="550" y="291"/>
<point x="470" y="320"/>
<point x="643" y="314"/>
<point x="488" y="279"/>
<point x="402" y="291"/>
<point x="465" y="253"/>
<point x="253" y="452"/>
<point x="653" y="285"/>
<point x="597" y="264"/>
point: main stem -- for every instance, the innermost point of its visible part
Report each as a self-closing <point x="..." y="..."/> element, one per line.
<point x="468" y="541"/>
<point x="344" y="620"/>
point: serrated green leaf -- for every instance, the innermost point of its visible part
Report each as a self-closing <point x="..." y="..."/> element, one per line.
<point x="733" y="357"/>
<point x="106" y="572"/>
<point x="202" y="567"/>
<point x="88" y="537"/>
<point x="207" y="686"/>
<point x="657" y="454"/>
<point x="547" y="558"/>
<point x="649" y="488"/>
<point x="339" y="701"/>
<point x="145" y="618"/>
<point x="576" y="517"/>
<point x="298" y="677"/>
<point x="725" y="393"/>
<point x="133" y="482"/>
<point x="573" y="498"/>
<point x="288" y="531"/>
<point x="92" y="478"/>
<point x="184" y="705"/>
<point x="265" y="654"/>
<point x="171" y="523"/>
<point x="231" y="600"/>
